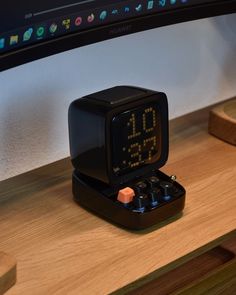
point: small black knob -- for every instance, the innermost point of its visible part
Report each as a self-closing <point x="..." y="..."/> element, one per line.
<point x="153" y="181"/>
<point x="140" y="202"/>
<point x="167" y="189"/>
<point x="140" y="187"/>
<point x="154" y="197"/>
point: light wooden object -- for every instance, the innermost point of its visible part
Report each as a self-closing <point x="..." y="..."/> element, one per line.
<point x="63" y="249"/>
<point x="7" y="272"/>
<point x="222" y="121"/>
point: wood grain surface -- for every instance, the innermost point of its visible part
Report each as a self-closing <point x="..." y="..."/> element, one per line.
<point x="211" y="273"/>
<point x="63" y="249"/>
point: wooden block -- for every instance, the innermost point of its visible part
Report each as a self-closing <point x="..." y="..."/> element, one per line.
<point x="222" y="121"/>
<point x="7" y="272"/>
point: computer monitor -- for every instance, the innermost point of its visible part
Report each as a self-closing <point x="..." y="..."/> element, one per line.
<point x="30" y="30"/>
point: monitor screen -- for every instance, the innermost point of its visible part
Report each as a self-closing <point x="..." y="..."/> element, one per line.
<point x="33" y="29"/>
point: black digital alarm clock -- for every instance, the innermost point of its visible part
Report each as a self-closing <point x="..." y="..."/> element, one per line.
<point x="118" y="141"/>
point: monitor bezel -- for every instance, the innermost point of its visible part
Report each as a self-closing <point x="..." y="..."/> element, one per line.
<point x="94" y="35"/>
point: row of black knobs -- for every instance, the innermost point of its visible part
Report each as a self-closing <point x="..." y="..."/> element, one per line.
<point x="152" y="192"/>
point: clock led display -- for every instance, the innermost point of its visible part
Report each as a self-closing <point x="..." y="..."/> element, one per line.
<point x="135" y="138"/>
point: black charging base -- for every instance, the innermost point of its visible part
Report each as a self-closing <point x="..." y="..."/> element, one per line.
<point x="102" y="200"/>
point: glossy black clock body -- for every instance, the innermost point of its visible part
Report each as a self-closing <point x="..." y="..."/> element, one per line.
<point x="101" y="199"/>
<point x="119" y="133"/>
<point x="118" y="141"/>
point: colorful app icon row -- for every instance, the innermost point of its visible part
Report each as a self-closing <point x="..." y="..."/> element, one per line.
<point x="71" y="23"/>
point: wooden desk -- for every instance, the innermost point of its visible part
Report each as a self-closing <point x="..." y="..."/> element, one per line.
<point x="62" y="249"/>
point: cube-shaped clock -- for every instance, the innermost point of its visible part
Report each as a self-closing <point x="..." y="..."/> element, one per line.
<point x="118" y="141"/>
<point x="119" y="133"/>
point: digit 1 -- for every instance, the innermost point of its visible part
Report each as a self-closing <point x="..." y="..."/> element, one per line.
<point x="149" y="110"/>
<point x="132" y="124"/>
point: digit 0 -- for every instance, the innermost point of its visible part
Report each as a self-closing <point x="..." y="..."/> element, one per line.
<point x="153" y="119"/>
